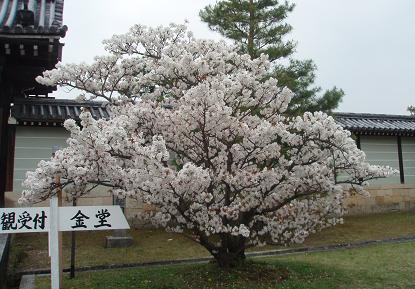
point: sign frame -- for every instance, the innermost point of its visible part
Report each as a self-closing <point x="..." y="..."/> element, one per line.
<point x="56" y="219"/>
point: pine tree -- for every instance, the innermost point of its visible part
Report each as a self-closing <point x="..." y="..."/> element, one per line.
<point x="259" y="26"/>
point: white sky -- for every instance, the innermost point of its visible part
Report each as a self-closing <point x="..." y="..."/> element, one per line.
<point x="366" y="47"/>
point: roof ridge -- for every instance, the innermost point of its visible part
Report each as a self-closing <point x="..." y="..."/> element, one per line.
<point x="374" y="116"/>
<point x="47" y="100"/>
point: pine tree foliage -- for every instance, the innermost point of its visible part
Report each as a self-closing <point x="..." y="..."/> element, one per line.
<point x="259" y="26"/>
<point x="300" y="76"/>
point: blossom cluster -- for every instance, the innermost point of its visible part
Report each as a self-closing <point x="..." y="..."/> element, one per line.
<point x="200" y="132"/>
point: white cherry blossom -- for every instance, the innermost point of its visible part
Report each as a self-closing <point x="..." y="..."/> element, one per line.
<point x="200" y="132"/>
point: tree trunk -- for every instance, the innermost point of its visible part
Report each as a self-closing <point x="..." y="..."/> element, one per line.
<point x="232" y="254"/>
<point x="251" y="51"/>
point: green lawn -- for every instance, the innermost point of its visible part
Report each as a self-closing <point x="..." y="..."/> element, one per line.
<point x="374" y="267"/>
<point x="29" y="251"/>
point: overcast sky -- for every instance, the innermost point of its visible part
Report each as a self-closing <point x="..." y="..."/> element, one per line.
<point x="365" y="47"/>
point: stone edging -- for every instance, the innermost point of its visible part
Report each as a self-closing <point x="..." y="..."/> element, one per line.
<point x="4" y="256"/>
<point x="27" y="282"/>
<point x="278" y="252"/>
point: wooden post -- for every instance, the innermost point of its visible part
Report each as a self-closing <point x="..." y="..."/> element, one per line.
<point x="400" y="158"/>
<point x="358" y="142"/>
<point x="4" y="116"/>
<point x="73" y="246"/>
<point x="55" y="238"/>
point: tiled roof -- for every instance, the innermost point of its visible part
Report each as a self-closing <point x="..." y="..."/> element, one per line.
<point x="47" y="16"/>
<point x="377" y="124"/>
<point x="39" y="111"/>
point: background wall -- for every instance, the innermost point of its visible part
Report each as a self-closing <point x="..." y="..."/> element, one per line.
<point x="35" y="143"/>
<point x="385" y="198"/>
<point x="32" y="145"/>
<point x="408" y="155"/>
<point x="382" y="150"/>
<point x="387" y="194"/>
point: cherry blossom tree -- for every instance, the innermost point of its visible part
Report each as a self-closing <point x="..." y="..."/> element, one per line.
<point x="199" y="131"/>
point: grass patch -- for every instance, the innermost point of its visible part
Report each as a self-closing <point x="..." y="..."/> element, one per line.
<point x="248" y="276"/>
<point x="154" y="245"/>
<point x="374" y="267"/>
<point x="17" y="255"/>
<point x="149" y="245"/>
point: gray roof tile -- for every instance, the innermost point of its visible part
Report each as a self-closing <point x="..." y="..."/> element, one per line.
<point x="50" y="110"/>
<point x="47" y="17"/>
<point x="377" y="124"/>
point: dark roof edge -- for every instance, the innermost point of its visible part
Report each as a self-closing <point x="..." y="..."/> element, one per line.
<point x="373" y="116"/>
<point x="43" y="111"/>
<point x="49" y="100"/>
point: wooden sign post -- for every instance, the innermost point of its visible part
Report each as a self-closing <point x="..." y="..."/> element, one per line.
<point x="55" y="240"/>
<point x="55" y="220"/>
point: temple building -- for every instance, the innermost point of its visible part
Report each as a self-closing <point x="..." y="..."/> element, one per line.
<point x="37" y="126"/>
<point x="386" y="140"/>
<point x="31" y="121"/>
<point x="30" y="33"/>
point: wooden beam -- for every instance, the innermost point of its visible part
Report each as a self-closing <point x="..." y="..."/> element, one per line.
<point x="358" y="141"/>
<point x="4" y="117"/>
<point x="401" y="171"/>
<point x="10" y="157"/>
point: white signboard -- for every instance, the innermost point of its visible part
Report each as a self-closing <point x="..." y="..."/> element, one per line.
<point x="54" y="219"/>
<point x="85" y="218"/>
<point x="24" y="220"/>
<point x="82" y="218"/>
